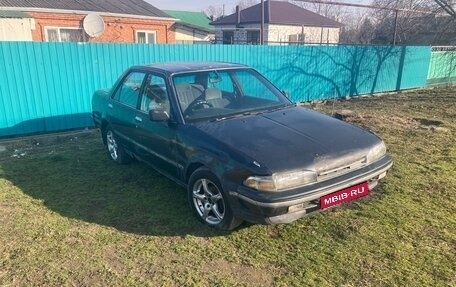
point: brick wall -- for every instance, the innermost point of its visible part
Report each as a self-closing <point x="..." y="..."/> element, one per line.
<point x="117" y="29"/>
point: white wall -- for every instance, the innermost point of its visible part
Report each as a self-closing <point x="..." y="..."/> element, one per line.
<point x="12" y="29"/>
<point x="187" y="34"/>
<point x="280" y="33"/>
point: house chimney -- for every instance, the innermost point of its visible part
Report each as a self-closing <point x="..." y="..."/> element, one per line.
<point x="238" y="15"/>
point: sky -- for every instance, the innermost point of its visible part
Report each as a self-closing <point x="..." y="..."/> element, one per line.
<point x="201" y="5"/>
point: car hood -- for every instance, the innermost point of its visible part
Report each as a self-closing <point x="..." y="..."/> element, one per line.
<point x="293" y="138"/>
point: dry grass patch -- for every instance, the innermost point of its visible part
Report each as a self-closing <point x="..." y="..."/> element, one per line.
<point x="69" y="216"/>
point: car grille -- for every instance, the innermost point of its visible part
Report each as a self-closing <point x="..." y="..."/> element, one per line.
<point x="330" y="173"/>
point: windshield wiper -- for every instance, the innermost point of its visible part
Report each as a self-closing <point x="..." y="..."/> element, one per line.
<point x="246" y="113"/>
<point x="273" y="109"/>
<point x="226" y="117"/>
<point x="254" y="112"/>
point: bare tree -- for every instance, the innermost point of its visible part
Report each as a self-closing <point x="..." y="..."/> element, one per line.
<point x="319" y="8"/>
<point x="214" y="12"/>
<point x="360" y="30"/>
<point x="243" y="4"/>
<point x="327" y="10"/>
<point x="366" y="32"/>
<point x="412" y="26"/>
<point x="447" y="6"/>
<point x="393" y="21"/>
<point x="349" y="17"/>
<point x="218" y="11"/>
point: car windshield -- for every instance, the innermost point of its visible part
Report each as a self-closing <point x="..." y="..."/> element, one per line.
<point x="225" y="93"/>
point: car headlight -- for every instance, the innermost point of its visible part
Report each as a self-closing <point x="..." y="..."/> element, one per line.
<point x="281" y="181"/>
<point x="376" y="152"/>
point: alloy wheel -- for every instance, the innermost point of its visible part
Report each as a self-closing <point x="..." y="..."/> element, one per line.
<point x="208" y="201"/>
<point x="112" y="145"/>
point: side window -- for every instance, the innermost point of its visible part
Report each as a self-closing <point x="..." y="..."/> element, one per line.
<point x="155" y="95"/>
<point x="128" y="92"/>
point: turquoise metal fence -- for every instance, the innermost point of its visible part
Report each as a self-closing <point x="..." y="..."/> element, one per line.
<point x="48" y="86"/>
<point x="442" y="68"/>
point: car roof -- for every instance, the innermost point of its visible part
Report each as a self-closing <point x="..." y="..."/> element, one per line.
<point x="179" y="67"/>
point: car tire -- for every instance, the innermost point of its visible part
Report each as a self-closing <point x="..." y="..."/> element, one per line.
<point x="115" y="150"/>
<point x="209" y="202"/>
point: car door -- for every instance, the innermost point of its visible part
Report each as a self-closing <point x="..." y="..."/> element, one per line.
<point x="156" y="138"/>
<point x="122" y="107"/>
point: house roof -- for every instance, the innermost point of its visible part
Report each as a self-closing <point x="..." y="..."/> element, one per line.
<point x="281" y="12"/>
<point x="14" y="14"/>
<point x="130" y="7"/>
<point x="197" y="20"/>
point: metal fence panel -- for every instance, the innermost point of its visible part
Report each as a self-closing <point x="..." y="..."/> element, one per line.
<point x="48" y="86"/>
<point x="442" y="68"/>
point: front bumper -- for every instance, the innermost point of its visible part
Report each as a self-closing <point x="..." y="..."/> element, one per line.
<point x="287" y="206"/>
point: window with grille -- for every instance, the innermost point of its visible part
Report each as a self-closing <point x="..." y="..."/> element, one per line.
<point x="228" y="37"/>
<point x="253" y="37"/>
<point x="64" y="34"/>
<point x="296" y="38"/>
<point x="146" y="37"/>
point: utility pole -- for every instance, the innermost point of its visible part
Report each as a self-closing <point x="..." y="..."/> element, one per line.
<point x="395" y="26"/>
<point x="262" y="23"/>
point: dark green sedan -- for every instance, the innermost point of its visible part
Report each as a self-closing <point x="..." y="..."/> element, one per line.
<point x="240" y="146"/>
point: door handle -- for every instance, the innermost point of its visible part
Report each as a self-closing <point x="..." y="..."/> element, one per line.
<point x="138" y="119"/>
<point x="110" y="106"/>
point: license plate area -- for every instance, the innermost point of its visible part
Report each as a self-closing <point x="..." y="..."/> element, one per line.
<point x="344" y="195"/>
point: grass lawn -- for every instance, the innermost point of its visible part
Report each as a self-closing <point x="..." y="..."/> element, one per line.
<point x="70" y="216"/>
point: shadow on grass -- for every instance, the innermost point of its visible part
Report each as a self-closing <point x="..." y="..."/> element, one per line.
<point x="77" y="180"/>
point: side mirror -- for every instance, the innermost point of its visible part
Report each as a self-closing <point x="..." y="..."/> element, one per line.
<point x="285" y="93"/>
<point x="158" y="115"/>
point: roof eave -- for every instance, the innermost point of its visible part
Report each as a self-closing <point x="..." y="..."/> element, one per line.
<point x="234" y="23"/>
<point x="82" y="12"/>
<point x="306" y="25"/>
<point x="14" y="15"/>
<point x="196" y="27"/>
<point x="279" y="23"/>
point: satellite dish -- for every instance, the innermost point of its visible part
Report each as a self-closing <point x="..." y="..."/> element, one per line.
<point x="93" y="25"/>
